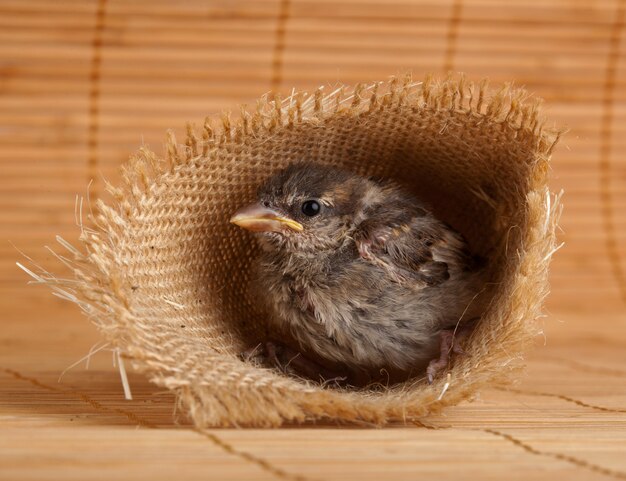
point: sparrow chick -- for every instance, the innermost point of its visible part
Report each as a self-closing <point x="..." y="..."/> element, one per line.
<point x="360" y="272"/>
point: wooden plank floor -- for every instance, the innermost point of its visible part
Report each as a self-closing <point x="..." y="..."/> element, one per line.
<point x="84" y="82"/>
<point x="566" y="419"/>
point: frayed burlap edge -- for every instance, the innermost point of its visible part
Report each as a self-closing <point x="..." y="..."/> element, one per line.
<point x="262" y="397"/>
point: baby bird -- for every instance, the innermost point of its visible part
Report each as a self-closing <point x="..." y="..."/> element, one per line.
<point x="360" y="272"/>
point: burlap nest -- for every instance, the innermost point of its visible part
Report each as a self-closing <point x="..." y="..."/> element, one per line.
<point x="164" y="275"/>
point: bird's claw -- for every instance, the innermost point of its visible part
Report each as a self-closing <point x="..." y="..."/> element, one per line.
<point x="252" y="353"/>
<point x="267" y="352"/>
<point x="447" y="345"/>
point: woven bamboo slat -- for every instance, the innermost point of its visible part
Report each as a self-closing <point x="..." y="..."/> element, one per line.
<point x="83" y="83"/>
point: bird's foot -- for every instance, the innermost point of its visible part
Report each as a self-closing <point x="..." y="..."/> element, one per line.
<point x="267" y="352"/>
<point x="251" y="353"/>
<point x="291" y="361"/>
<point x="449" y="342"/>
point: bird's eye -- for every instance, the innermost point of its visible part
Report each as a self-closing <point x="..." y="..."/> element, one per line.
<point x="311" y="208"/>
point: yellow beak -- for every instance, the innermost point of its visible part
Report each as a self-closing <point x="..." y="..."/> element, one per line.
<point x="257" y="218"/>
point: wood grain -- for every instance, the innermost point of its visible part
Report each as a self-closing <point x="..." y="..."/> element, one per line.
<point x="84" y="82"/>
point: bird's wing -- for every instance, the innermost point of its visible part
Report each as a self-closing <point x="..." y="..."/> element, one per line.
<point x="410" y="245"/>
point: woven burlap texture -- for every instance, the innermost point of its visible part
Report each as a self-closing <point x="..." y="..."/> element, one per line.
<point x="164" y="276"/>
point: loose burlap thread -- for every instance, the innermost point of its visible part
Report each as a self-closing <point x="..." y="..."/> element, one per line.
<point x="164" y="276"/>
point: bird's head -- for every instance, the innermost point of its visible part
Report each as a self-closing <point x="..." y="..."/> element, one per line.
<point x="304" y="208"/>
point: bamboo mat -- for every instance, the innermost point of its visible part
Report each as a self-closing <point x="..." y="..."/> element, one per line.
<point x="84" y="83"/>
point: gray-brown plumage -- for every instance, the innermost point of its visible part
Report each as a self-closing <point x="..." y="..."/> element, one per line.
<point x="360" y="272"/>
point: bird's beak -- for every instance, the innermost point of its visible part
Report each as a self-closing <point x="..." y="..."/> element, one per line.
<point x="257" y="218"/>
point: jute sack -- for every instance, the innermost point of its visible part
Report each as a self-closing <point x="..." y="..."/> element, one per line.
<point x="164" y="275"/>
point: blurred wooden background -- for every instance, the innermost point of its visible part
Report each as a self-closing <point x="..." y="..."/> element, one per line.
<point x="84" y="82"/>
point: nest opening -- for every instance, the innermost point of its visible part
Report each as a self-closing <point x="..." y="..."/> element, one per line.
<point x="464" y="181"/>
<point x="469" y="184"/>
<point x="166" y="275"/>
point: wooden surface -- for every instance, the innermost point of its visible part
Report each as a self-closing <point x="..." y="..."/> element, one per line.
<point x="83" y="83"/>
